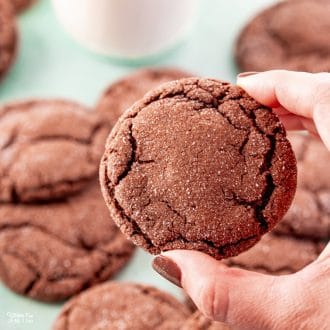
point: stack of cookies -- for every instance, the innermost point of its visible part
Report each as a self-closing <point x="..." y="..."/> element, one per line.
<point x="56" y="236"/>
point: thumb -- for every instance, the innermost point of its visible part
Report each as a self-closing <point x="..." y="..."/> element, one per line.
<point x="237" y="297"/>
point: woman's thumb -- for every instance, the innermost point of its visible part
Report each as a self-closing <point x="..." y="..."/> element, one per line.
<point x="240" y="298"/>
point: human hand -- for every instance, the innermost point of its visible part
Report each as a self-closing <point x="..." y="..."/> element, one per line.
<point x="249" y="300"/>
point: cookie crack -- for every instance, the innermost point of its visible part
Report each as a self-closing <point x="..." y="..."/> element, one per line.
<point x="31" y="268"/>
<point x="15" y="196"/>
<point x="51" y="137"/>
<point x="132" y="159"/>
<point x="265" y="168"/>
<point x="8" y="227"/>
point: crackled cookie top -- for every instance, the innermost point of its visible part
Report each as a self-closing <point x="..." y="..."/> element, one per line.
<point x="198" y="164"/>
<point x="52" y="251"/>
<point x="123" y="306"/>
<point x="120" y="95"/>
<point x="291" y="35"/>
<point x="309" y="214"/>
<point x="278" y="255"/>
<point x="8" y="36"/>
<point x="48" y="149"/>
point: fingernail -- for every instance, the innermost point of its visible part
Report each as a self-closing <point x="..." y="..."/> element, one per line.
<point x="168" y="269"/>
<point x="246" y="74"/>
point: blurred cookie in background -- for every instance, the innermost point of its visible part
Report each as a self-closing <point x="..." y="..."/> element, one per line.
<point x="309" y="214"/>
<point x="120" y="95"/>
<point x="52" y="251"/>
<point x="49" y="149"/>
<point x="122" y="306"/>
<point x="291" y="35"/>
<point x="8" y="36"/>
<point x="277" y="255"/>
<point x="22" y="5"/>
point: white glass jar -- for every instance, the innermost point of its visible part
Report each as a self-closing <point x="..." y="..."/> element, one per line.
<point x="127" y="29"/>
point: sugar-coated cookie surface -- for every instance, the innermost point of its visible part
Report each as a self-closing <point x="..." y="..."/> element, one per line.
<point x="122" y="306"/>
<point x="291" y="35"/>
<point x="48" y="149"/>
<point x="53" y="251"/>
<point x="120" y="95"/>
<point x="8" y="36"/>
<point x="198" y="164"/>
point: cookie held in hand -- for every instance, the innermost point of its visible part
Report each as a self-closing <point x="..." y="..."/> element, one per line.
<point x="198" y="164"/>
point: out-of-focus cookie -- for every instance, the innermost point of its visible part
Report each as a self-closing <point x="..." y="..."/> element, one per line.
<point x="120" y="95"/>
<point x="291" y="35"/>
<point x="49" y="149"/>
<point x="53" y="251"/>
<point x="198" y="164"/>
<point x="122" y="306"/>
<point x="268" y="256"/>
<point x="22" y="5"/>
<point x="8" y="36"/>
<point x="309" y="214"/>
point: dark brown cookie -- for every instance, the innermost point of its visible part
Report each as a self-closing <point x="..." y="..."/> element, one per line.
<point x="278" y="255"/>
<point x="21" y="5"/>
<point x="290" y="35"/>
<point x="8" y="36"/>
<point x="52" y="251"/>
<point x="122" y="306"/>
<point x="48" y="149"/>
<point x="198" y="164"/>
<point x="309" y="214"/>
<point x="119" y="96"/>
<point x="198" y="321"/>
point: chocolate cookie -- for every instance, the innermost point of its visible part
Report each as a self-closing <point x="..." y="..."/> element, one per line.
<point x="198" y="321"/>
<point x="21" y="5"/>
<point x="48" y="149"/>
<point x="278" y="255"/>
<point x="52" y="251"/>
<point x="123" y="306"/>
<point x="119" y="96"/>
<point x="198" y="164"/>
<point x="8" y="36"/>
<point x="309" y="214"/>
<point x="272" y="41"/>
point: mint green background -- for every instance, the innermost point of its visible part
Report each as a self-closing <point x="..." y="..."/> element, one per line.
<point x="50" y="64"/>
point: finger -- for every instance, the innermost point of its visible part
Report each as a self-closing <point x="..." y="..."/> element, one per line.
<point x="237" y="297"/>
<point x="303" y="94"/>
<point x="298" y="92"/>
<point x="322" y="122"/>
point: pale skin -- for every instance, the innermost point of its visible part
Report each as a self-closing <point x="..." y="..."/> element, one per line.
<point x="249" y="300"/>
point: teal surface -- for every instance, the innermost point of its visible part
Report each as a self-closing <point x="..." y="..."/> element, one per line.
<point x="50" y="64"/>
